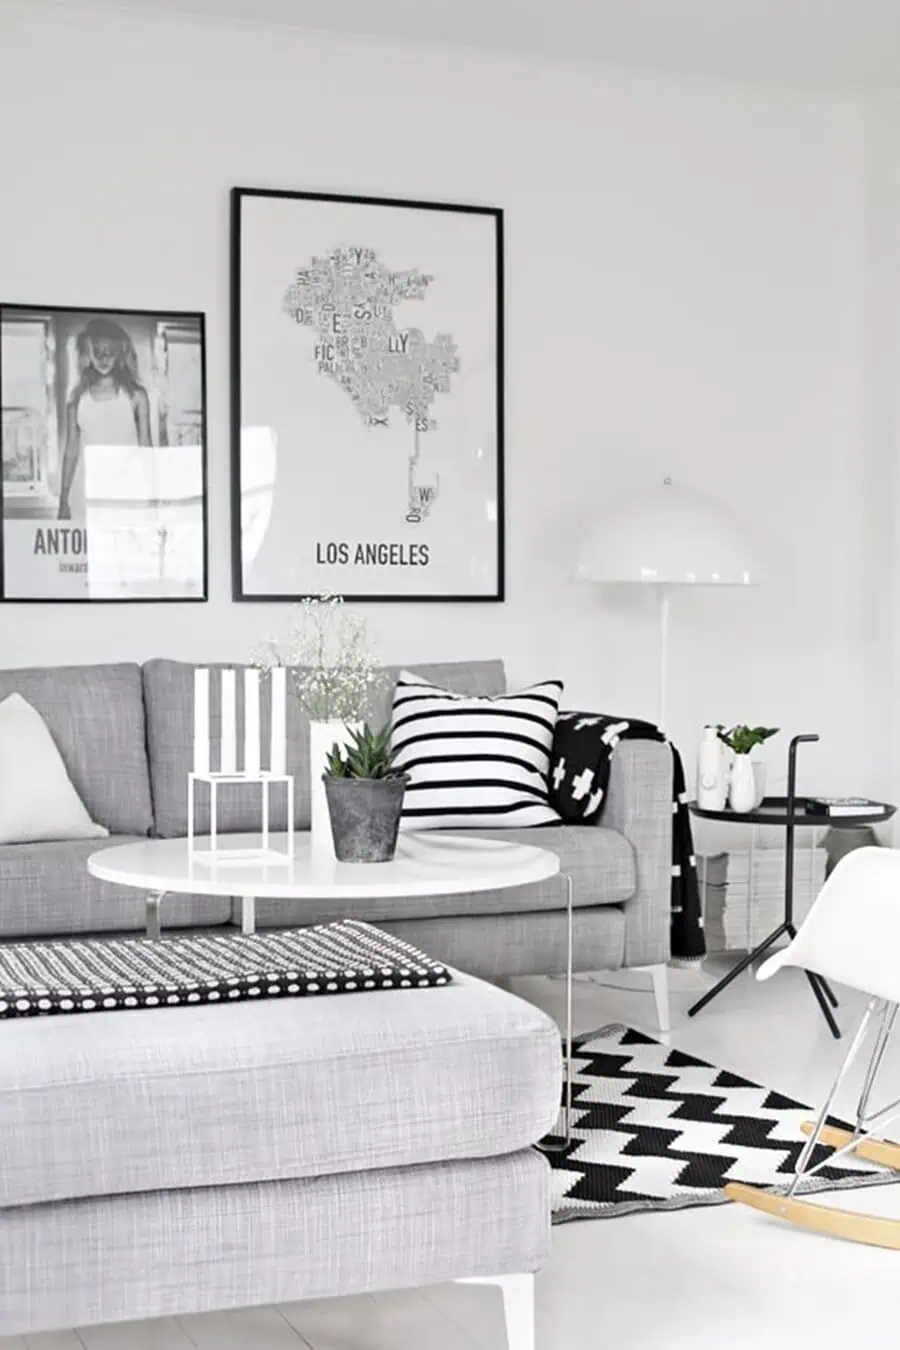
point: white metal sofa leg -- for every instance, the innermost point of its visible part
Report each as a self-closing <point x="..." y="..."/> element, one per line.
<point x="518" y="1307"/>
<point x="660" y="977"/>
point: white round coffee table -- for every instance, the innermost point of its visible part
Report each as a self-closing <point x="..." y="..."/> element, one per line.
<point x="425" y="864"/>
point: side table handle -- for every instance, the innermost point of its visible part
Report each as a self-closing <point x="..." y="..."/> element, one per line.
<point x="792" y="769"/>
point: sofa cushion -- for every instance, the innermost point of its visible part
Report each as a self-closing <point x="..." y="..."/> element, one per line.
<point x="46" y="890"/>
<point x="37" y="800"/>
<point x="483" y="679"/>
<point x="599" y="861"/>
<point x="210" y="1096"/>
<point x="474" y="762"/>
<point x="169" y="698"/>
<point x="96" y="717"/>
<point x="504" y="945"/>
<point x="125" y="1258"/>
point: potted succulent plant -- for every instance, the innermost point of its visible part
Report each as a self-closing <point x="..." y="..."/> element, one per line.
<point x="365" y="793"/>
<point x="741" y="740"/>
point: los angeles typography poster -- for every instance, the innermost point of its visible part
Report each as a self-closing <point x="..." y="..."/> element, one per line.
<point x="367" y="395"/>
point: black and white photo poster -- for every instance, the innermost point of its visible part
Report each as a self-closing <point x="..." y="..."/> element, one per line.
<point x="104" y="459"/>
<point x="368" y="388"/>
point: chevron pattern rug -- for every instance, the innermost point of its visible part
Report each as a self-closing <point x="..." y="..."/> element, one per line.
<point x="655" y="1128"/>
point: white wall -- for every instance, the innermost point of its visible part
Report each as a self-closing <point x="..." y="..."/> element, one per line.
<point x="882" y="430"/>
<point x="685" y="296"/>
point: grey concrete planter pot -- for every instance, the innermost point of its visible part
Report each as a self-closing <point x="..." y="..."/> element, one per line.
<point x="365" y="817"/>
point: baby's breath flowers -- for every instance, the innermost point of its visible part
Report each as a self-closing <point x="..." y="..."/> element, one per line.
<point x="330" y="660"/>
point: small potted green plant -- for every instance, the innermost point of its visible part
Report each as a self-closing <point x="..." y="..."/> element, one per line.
<point x="365" y="792"/>
<point x="741" y="740"/>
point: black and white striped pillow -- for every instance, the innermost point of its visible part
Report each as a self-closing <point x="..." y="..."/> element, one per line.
<point x="474" y="762"/>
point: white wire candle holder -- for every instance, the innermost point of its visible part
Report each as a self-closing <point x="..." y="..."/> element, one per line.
<point x="251" y="773"/>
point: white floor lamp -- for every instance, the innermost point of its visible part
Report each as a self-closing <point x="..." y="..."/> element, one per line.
<point x="667" y="536"/>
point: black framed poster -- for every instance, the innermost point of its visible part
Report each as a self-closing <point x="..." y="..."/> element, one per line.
<point x="367" y="381"/>
<point x="104" y="454"/>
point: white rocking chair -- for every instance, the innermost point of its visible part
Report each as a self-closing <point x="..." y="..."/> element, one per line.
<point x="852" y="936"/>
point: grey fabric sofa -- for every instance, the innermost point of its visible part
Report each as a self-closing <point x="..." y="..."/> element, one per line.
<point x="157" y="1163"/>
<point x="160" y="1163"/>
<point x="126" y="736"/>
<point x="125" y="733"/>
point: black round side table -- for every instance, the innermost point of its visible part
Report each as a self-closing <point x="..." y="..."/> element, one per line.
<point x="791" y="813"/>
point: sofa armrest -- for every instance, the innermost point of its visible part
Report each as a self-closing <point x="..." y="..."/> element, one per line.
<point x="639" y="806"/>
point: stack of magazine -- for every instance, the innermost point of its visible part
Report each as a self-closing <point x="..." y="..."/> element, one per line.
<point x="741" y="909"/>
<point x="837" y="807"/>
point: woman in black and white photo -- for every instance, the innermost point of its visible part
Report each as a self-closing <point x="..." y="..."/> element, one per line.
<point x="103" y="476"/>
<point x="109" y="406"/>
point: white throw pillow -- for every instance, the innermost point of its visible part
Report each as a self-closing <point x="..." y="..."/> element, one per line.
<point x="478" y="763"/>
<point x="37" y="800"/>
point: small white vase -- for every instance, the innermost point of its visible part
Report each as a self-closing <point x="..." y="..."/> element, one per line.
<point x="322" y="736"/>
<point x="712" y="772"/>
<point x="742" y="792"/>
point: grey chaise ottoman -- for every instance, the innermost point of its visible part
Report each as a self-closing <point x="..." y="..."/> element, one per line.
<point x="191" y="1159"/>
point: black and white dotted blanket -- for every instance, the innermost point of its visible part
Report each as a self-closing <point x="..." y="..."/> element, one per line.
<point x="579" y="777"/>
<point x="105" y="974"/>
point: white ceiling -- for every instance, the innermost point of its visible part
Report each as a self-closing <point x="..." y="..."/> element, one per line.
<point x="819" y="42"/>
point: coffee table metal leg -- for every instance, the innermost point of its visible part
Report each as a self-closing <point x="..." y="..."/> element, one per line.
<point x="248" y="914"/>
<point x="567" y="1070"/>
<point x="569" y="973"/>
<point x="152" y="919"/>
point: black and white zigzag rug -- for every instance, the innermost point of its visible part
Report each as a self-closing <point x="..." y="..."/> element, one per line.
<point x="655" y="1128"/>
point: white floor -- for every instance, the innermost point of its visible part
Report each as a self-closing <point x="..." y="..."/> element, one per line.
<point x="695" y="1280"/>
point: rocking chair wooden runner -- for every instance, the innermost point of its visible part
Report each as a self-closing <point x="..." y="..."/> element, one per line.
<point x="852" y="936"/>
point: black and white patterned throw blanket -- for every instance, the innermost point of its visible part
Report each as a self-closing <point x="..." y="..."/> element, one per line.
<point x="103" y="975"/>
<point x="579" y="777"/>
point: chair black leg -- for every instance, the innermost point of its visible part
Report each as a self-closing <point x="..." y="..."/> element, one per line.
<point x="829" y="992"/>
<point x="816" y="985"/>
<point x="822" y="990"/>
<point x="820" y="979"/>
<point x="738" y="969"/>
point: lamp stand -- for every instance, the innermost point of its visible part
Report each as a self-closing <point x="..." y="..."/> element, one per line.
<point x="665" y="605"/>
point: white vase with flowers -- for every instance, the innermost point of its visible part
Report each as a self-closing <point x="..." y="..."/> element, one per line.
<point x="744" y="786"/>
<point x="333" y="675"/>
